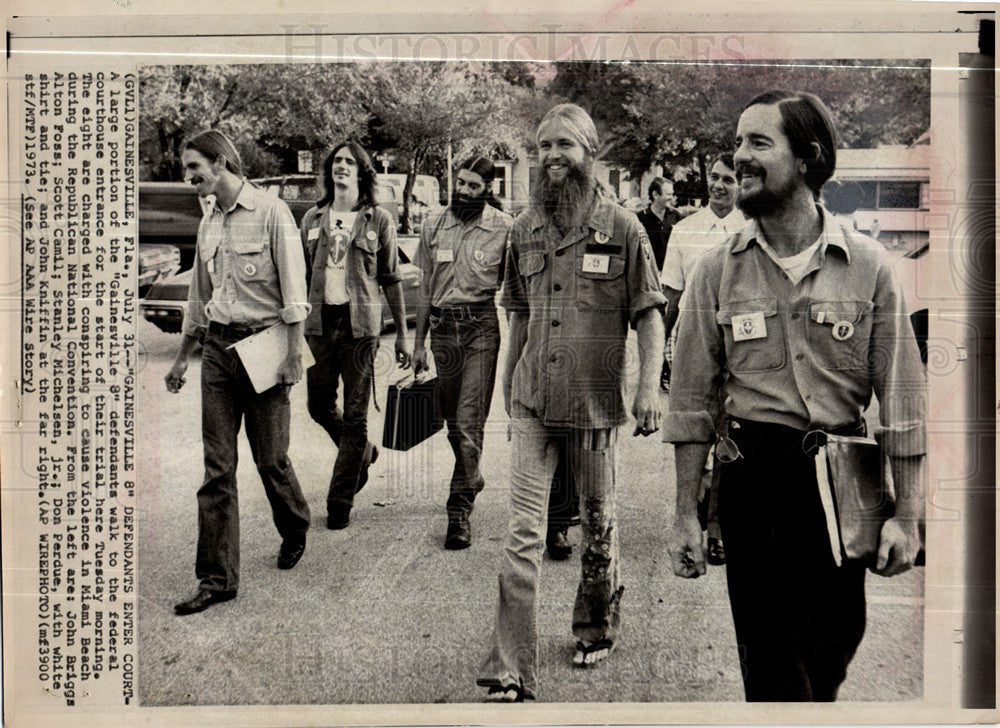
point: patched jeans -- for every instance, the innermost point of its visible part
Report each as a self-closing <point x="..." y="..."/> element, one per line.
<point x="227" y="401"/>
<point x="513" y="656"/>
<point x="465" y="357"/>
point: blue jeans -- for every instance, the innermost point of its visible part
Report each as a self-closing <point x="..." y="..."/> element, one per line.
<point x="227" y="400"/>
<point x="513" y="656"/>
<point x="341" y="356"/>
<point x="465" y="356"/>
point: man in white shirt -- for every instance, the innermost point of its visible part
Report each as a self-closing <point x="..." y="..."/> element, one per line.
<point x="691" y="238"/>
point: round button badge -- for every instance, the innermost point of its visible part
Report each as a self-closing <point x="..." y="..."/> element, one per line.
<point x="843" y="330"/>
<point x="479" y="255"/>
<point x="371" y="235"/>
<point x="249" y="269"/>
<point x="601" y="237"/>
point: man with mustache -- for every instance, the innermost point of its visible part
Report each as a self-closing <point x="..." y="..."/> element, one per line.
<point x="692" y="237"/>
<point x="461" y="254"/>
<point x="800" y="320"/>
<point x="580" y="271"/>
<point x="249" y="274"/>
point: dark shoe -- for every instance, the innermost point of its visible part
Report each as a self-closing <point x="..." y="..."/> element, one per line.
<point x="459" y="534"/>
<point x="363" y="477"/>
<point x="291" y="551"/>
<point x="338" y="515"/>
<point x="504" y="693"/>
<point x="716" y="554"/>
<point x="558" y="545"/>
<point x="203" y="600"/>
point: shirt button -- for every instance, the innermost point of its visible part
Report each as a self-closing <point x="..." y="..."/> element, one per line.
<point x="800" y="357"/>
<point x="556" y="287"/>
<point x="795" y="315"/>
<point x="555" y="323"/>
<point x="560" y="251"/>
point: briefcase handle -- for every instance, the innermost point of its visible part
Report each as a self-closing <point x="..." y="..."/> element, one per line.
<point x="410" y="378"/>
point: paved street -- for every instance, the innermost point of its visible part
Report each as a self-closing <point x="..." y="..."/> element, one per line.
<point x="381" y="613"/>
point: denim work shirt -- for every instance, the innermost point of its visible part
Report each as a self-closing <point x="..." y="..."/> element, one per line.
<point x="372" y="261"/>
<point x="581" y="292"/>
<point x="809" y="355"/>
<point x="249" y="269"/>
<point x="462" y="263"/>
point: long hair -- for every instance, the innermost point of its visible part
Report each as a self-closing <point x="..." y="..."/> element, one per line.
<point x="213" y="144"/>
<point x="367" y="176"/>
<point x="805" y="121"/>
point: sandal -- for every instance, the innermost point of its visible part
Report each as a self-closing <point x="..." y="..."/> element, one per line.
<point x="504" y="693"/>
<point x="597" y="651"/>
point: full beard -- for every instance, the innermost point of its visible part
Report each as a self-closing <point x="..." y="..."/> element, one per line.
<point x="764" y="201"/>
<point x="565" y="203"/>
<point x="465" y="208"/>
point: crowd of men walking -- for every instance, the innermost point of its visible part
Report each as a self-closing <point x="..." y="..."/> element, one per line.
<point x="780" y="320"/>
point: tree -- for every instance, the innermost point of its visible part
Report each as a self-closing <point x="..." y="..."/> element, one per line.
<point x="257" y="105"/>
<point x="418" y="109"/>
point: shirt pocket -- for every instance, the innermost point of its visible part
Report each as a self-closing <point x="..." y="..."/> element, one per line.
<point x="839" y="332"/>
<point x="366" y="247"/>
<point x="600" y="288"/>
<point x="252" y="260"/>
<point x="757" y="350"/>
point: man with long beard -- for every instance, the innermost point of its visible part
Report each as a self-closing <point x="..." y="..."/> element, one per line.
<point x="461" y="255"/>
<point x="579" y="271"/>
<point x="800" y="320"/>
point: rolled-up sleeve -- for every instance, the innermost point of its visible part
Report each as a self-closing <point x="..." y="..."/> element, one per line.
<point x="199" y="292"/>
<point x="514" y="296"/>
<point x="698" y="368"/>
<point x="644" y="290"/>
<point x="387" y="258"/>
<point x="286" y="250"/>
<point x="898" y="377"/>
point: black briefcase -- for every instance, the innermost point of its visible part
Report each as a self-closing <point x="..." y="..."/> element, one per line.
<point x="411" y="414"/>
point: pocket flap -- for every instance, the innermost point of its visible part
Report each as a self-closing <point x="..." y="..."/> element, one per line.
<point x="247" y="247"/>
<point x="832" y="312"/>
<point x="766" y="306"/>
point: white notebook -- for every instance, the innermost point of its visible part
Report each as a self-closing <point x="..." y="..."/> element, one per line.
<point x="264" y="352"/>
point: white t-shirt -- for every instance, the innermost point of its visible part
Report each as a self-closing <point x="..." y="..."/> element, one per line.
<point x="691" y="238"/>
<point x="341" y="224"/>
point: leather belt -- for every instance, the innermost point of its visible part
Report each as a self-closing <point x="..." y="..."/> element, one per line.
<point x="232" y="333"/>
<point x="461" y="313"/>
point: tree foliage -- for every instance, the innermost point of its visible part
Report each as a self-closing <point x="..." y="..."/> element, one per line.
<point x="674" y="114"/>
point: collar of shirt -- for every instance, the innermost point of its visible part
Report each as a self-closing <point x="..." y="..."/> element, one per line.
<point x="601" y="220"/>
<point x="487" y="220"/>
<point x="364" y="214"/>
<point x="246" y="198"/>
<point x="831" y="234"/>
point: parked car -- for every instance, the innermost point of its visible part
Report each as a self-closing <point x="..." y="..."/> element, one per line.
<point x="166" y="301"/>
<point x="301" y="191"/>
<point x="156" y="262"/>
<point x="169" y="214"/>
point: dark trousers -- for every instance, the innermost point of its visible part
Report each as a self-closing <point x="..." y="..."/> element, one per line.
<point x="227" y="400"/>
<point x="564" y="499"/>
<point x="799" y="618"/>
<point x="341" y="357"/>
<point x="465" y="356"/>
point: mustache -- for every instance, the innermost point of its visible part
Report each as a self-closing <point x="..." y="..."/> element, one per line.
<point x="745" y="167"/>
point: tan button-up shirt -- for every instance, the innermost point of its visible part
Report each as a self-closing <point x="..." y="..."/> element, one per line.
<point x="462" y="263"/>
<point x="581" y="291"/>
<point x="249" y="270"/>
<point x="808" y="355"/>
